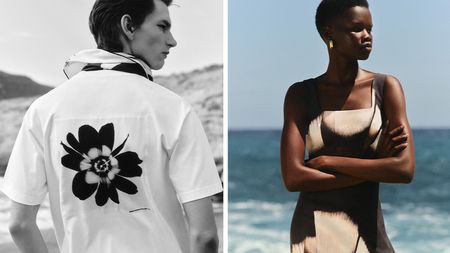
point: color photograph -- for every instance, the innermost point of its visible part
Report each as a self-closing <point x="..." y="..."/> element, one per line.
<point x="338" y="128"/>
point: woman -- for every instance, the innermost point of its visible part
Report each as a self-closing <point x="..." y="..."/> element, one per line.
<point x="117" y="153"/>
<point x="354" y="125"/>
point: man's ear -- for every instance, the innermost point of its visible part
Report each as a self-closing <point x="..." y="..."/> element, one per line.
<point x="127" y="26"/>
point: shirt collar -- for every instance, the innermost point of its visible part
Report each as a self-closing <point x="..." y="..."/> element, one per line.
<point x="102" y="59"/>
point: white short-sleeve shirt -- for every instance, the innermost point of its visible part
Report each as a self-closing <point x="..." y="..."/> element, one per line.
<point x="117" y="154"/>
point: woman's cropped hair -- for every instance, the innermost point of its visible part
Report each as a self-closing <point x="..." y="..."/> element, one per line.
<point x="330" y="9"/>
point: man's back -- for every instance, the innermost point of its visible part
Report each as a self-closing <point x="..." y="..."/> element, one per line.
<point x="116" y="150"/>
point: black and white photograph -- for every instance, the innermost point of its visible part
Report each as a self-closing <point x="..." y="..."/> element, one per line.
<point x="111" y="132"/>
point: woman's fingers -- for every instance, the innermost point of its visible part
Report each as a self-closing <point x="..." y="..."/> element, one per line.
<point x="400" y="147"/>
<point x="397" y="131"/>
<point x="314" y="163"/>
<point x="392" y="142"/>
<point x="400" y="138"/>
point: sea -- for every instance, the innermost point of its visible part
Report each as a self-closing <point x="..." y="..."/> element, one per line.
<point x="417" y="215"/>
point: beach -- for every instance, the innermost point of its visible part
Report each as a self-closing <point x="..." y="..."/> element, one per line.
<point x="45" y="224"/>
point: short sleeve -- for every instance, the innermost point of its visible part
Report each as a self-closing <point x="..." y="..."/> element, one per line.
<point x="25" y="178"/>
<point x="191" y="165"/>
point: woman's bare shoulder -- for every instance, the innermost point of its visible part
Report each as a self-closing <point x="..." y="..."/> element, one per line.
<point x="391" y="84"/>
<point x="295" y="102"/>
<point x="389" y="79"/>
<point x="368" y="74"/>
<point x="300" y="88"/>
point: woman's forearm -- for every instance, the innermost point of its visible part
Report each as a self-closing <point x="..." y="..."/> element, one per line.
<point x="389" y="170"/>
<point x="305" y="179"/>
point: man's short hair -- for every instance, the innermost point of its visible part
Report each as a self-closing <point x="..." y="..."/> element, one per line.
<point x="104" y="20"/>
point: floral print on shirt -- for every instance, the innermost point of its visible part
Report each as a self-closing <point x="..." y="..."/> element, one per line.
<point x="100" y="168"/>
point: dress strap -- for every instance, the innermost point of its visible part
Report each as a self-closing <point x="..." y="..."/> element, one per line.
<point x="378" y="85"/>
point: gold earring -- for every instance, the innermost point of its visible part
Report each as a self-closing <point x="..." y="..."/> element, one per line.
<point x="330" y="44"/>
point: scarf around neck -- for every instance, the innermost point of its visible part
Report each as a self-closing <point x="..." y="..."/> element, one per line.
<point x="98" y="59"/>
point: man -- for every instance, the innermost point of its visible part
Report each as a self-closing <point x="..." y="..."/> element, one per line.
<point x="116" y="152"/>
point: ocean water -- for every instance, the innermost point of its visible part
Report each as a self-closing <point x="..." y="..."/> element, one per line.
<point x="417" y="215"/>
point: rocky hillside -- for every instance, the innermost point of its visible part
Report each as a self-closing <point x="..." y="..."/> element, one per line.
<point x="202" y="88"/>
<point x="12" y="86"/>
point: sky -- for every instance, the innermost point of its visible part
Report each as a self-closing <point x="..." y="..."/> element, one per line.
<point x="272" y="45"/>
<point x="37" y="37"/>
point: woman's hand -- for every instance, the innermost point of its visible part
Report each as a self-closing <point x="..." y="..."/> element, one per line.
<point x="390" y="144"/>
<point x="393" y="142"/>
<point x="296" y="175"/>
<point x="395" y="161"/>
<point x="319" y="163"/>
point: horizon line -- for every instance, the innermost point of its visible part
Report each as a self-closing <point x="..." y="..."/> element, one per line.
<point x="439" y="128"/>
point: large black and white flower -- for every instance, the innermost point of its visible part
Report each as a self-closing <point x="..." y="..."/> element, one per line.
<point x="100" y="168"/>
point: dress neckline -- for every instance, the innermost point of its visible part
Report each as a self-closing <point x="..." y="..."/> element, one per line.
<point x="372" y="99"/>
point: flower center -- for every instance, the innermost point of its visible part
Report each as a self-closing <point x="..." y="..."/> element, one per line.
<point x="101" y="164"/>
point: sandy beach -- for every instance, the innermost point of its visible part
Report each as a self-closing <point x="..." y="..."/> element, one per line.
<point x="45" y="224"/>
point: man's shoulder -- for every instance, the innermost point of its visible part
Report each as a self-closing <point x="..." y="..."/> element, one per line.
<point x="111" y="82"/>
<point x="121" y="92"/>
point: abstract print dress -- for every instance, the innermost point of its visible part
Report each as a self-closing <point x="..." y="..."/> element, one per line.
<point x="347" y="219"/>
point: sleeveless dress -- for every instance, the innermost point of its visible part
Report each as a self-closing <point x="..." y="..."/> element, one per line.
<point x="347" y="219"/>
